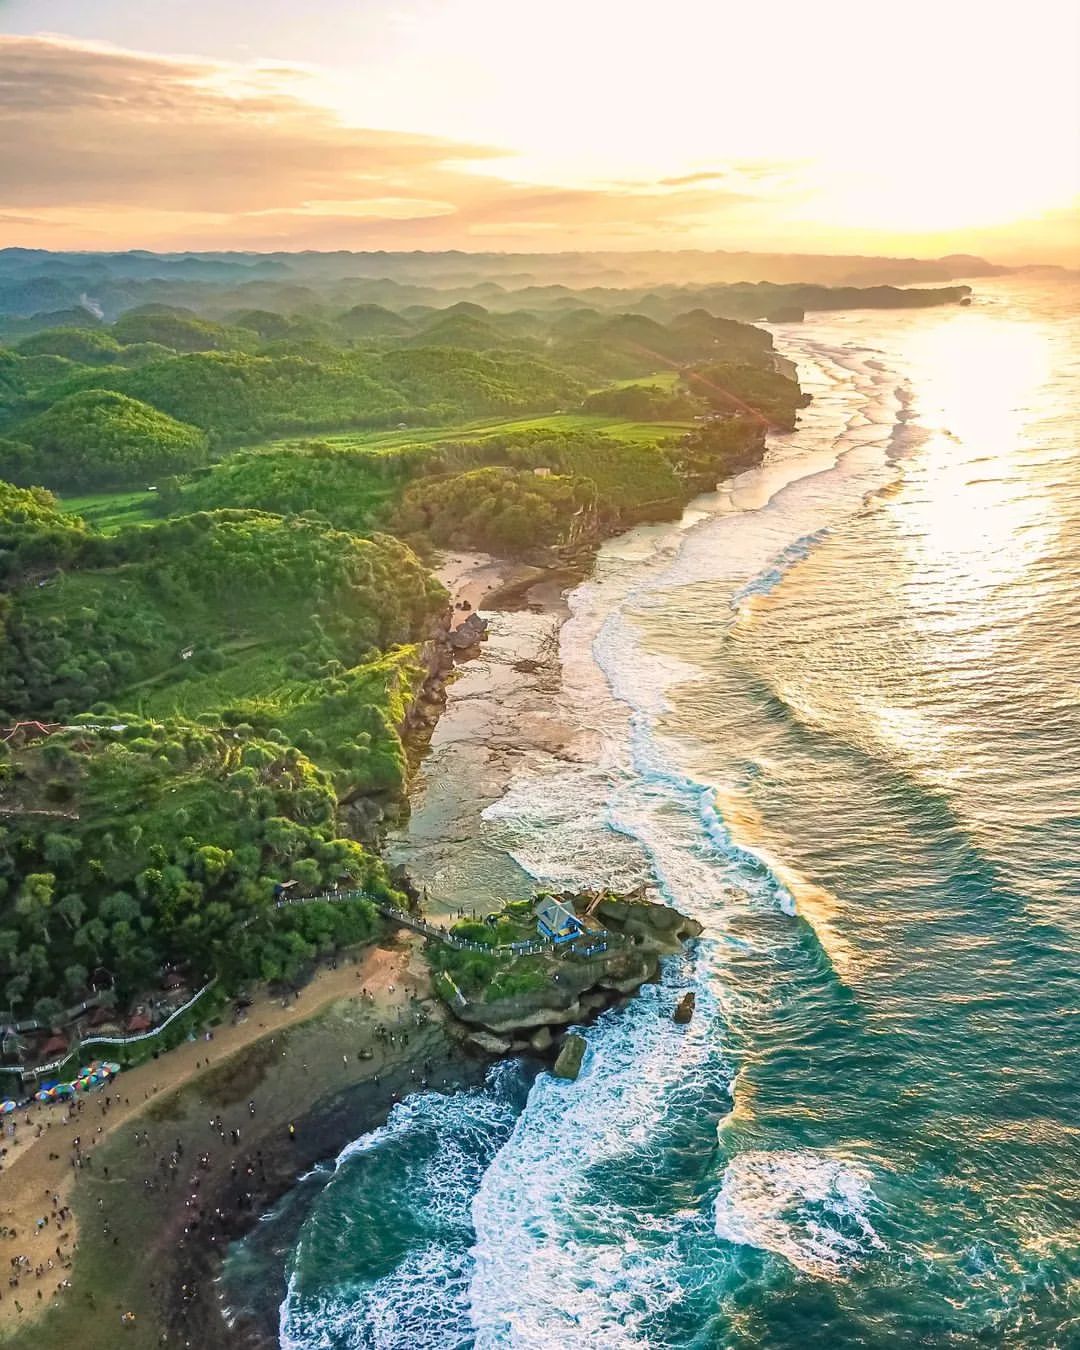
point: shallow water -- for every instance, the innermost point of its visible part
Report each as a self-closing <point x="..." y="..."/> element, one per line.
<point x="839" y="723"/>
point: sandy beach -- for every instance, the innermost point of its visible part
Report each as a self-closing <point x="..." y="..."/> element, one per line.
<point x="39" y="1176"/>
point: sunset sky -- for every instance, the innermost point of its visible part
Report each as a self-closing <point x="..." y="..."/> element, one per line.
<point x="923" y="128"/>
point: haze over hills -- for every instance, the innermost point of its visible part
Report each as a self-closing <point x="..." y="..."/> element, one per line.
<point x="101" y="286"/>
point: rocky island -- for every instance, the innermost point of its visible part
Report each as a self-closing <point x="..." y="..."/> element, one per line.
<point x="517" y="992"/>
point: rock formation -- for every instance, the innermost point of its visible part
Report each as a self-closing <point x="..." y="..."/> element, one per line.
<point x="684" y="1009"/>
<point x="572" y="1052"/>
<point x="633" y="933"/>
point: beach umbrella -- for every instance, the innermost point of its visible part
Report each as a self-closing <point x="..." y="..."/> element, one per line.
<point x="7" y="1107"/>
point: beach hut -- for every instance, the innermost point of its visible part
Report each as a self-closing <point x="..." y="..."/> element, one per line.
<point x="138" y="1022"/>
<point x="555" y="922"/>
<point x="55" y="1045"/>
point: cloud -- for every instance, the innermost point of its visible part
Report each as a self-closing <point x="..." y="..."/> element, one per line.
<point x="113" y="148"/>
<point x="687" y="179"/>
<point x="93" y="126"/>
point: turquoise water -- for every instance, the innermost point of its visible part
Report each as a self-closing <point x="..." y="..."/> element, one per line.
<point x="838" y="712"/>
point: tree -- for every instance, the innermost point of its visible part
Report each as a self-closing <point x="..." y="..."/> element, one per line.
<point x="15" y="991"/>
<point x="35" y="898"/>
<point x="75" y="978"/>
<point x="48" y="1011"/>
<point x="71" y="909"/>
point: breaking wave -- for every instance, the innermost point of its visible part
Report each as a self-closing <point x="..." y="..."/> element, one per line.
<point x="812" y="1210"/>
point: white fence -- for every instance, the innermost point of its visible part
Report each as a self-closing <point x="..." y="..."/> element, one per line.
<point x="76" y="1051"/>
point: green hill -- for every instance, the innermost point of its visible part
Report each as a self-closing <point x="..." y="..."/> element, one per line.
<point x="255" y="602"/>
<point x="101" y="439"/>
<point x="89" y="346"/>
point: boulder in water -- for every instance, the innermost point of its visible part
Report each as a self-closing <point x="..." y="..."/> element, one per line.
<point x="568" y="1064"/>
<point x="684" y="1009"/>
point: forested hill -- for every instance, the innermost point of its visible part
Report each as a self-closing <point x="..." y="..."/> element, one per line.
<point x="214" y="687"/>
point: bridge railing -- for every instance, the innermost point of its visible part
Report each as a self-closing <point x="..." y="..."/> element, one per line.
<point x="527" y="947"/>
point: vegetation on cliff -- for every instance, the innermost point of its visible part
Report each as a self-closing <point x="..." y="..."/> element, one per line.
<point x="228" y="681"/>
<point x="247" y="677"/>
<point x="34" y="534"/>
<point x="124" y="849"/>
<point x="643" y="403"/>
<point x="209" y="609"/>
<point x="498" y="983"/>
<point x="740" y="387"/>
<point x="500" y="510"/>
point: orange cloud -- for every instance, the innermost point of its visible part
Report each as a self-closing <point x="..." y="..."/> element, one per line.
<point x="107" y="147"/>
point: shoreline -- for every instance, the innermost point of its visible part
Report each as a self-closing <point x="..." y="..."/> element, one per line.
<point x="196" y="1311"/>
<point x="484" y="706"/>
<point x="502" y="705"/>
<point x="170" y="1099"/>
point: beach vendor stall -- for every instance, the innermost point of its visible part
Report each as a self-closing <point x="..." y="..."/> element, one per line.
<point x="100" y="1071"/>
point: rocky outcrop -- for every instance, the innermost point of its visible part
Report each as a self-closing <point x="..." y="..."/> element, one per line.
<point x="637" y="934"/>
<point x="468" y="634"/>
<point x="541" y="1041"/>
<point x="646" y="923"/>
<point x="571" y="1053"/>
<point x="489" y="1044"/>
<point x="786" y="314"/>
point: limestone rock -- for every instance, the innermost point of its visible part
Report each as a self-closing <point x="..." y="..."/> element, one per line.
<point x="594" y="1002"/>
<point x="469" y="633"/>
<point x="542" y="1040"/>
<point x="568" y="1064"/>
<point x="489" y="1044"/>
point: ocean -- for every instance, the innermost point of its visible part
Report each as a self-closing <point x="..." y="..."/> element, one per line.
<point x="837" y="708"/>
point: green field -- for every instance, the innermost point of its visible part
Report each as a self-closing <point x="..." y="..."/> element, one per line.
<point x="111" y="511"/>
<point x="644" y="432"/>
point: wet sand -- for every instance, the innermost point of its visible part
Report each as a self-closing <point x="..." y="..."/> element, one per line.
<point x="502" y="705"/>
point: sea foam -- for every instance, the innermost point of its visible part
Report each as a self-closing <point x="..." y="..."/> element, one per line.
<point x="809" y="1208"/>
<point x="561" y="1206"/>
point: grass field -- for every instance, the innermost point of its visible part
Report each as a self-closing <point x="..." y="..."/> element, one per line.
<point x="111" y="511"/>
<point x="662" y="379"/>
<point x="643" y="432"/>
